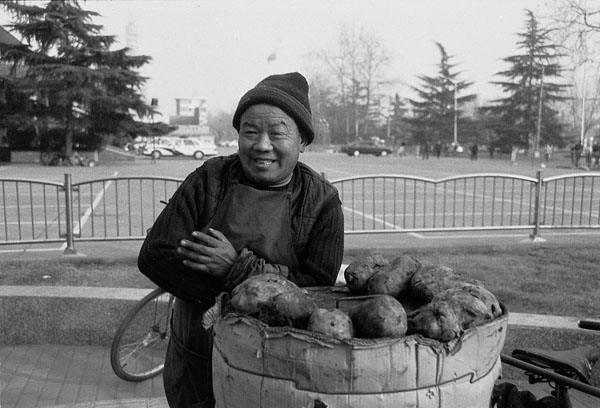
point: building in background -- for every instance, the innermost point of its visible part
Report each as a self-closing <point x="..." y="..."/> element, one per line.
<point x="191" y="119"/>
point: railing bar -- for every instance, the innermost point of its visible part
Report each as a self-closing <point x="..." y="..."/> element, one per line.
<point x="464" y="217"/>
<point x="590" y="212"/>
<point x="502" y="202"/>
<point x="555" y="184"/>
<point x="434" y="204"/>
<point x="405" y="190"/>
<point x="522" y="192"/>
<point x="564" y="200"/>
<point x="414" y="209"/>
<point x="573" y="201"/>
<point x="454" y="187"/>
<point x="483" y="201"/>
<point x="129" y="204"/>
<point x="117" y="210"/>
<point x="4" y="210"/>
<point x="493" y="200"/>
<point x="474" y="202"/>
<point x="93" y="210"/>
<point x="384" y="202"/>
<point x="363" y="203"/>
<point x="58" y="211"/>
<point x="444" y="205"/>
<point x="104" y="207"/>
<point x="31" y="210"/>
<point x="18" y="210"/>
<point x="141" y="206"/>
<point x="545" y="206"/>
<point x="374" y="209"/>
<point x="581" y="200"/>
<point x="395" y="201"/>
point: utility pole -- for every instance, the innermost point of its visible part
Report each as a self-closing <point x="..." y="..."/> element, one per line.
<point x="539" y="124"/>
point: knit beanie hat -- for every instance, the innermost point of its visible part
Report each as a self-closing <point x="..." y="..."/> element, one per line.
<point x="289" y="92"/>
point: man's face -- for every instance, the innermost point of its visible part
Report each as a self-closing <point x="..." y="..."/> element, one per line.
<point x="269" y="144"/>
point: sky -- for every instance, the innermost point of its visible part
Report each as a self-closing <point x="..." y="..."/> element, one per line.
<point x="218" y="49"/>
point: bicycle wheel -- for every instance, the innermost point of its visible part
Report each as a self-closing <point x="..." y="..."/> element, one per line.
<point x="140" y="343"/>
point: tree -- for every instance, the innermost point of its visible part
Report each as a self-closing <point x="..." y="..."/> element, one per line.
<point x="434" y="108"/>
<point x="576" y="27"/>
<point x="530" y="92"/>
<point x="356" y="67"/>
<point x="76" y="82"/>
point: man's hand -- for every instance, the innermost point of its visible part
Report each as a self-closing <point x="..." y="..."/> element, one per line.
<point x="211" y="253"/>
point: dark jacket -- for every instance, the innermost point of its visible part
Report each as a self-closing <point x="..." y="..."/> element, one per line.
<point x="317" y="230"/>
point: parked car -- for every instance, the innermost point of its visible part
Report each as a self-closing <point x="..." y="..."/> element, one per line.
<point x="177" y="146"/>
<point x="366" y="147"/>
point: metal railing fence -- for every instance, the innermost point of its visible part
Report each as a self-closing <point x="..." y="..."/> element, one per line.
<point x="123" y="208"/>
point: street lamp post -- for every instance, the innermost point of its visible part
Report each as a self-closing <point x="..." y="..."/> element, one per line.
<point x="455" y="113"/>
<point x="539" y="124"/>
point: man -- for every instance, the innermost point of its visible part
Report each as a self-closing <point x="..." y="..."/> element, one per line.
<point x="253" y="212"/>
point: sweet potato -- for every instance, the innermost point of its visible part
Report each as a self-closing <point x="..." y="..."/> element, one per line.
<point x="379" y="316"/>
<point x="436" y="321"/>
<point x="333" y="322"/>
<point x="250" y="295"/>
<point x="430" y="280"/>
<point x="288" y="309"/>
<point x="359" y="271"/>
<point x="393" y="279"/>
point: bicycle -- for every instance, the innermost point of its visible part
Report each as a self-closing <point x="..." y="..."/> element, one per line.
<point x="562" y="370"/>
<point x="140" y="343"/>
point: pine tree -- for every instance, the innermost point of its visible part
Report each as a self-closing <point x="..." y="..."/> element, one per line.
<point x="528" y="82"/>
<point x="433" y="109"/>
<point x="78" y="83"/>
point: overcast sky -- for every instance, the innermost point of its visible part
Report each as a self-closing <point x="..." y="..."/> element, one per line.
<point x="218" y="49"/>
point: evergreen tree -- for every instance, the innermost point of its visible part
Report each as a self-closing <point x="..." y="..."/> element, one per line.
<point x="434" y="109"/>
<point x="79" y="85"/>
<point x="516" y="117"/>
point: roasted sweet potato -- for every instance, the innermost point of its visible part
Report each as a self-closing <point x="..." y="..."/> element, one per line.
<point x="394" y="279"/>
<point x="288" y="309"/>
<point x="250" y="295"/>
<point x="469" y="310"/>
<point x="487" y="297"/>
<point x="436" y="321"/>
<point x="430" y="280"/>
<point x="359" y="271"/>
<point x="333" y="322"/>
<point x="379" y="316"/>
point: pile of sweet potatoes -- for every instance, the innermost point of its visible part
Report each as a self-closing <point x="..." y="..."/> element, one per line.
<point x="446" y="303"/>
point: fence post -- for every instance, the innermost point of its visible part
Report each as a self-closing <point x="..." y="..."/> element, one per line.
<point x="70" y="249"/>
<point x="535" y="235"/>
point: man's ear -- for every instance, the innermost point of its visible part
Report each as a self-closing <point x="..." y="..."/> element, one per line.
<point x="302" y="147"/>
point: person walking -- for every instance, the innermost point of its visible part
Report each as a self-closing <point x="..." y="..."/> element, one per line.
<point x="474" y="150"/>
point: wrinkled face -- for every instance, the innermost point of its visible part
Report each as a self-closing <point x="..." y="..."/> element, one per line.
<point x="269" y="144"/>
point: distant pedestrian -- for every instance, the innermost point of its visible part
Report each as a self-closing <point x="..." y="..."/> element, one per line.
<point x="548" y="152"/>
<point x="425" y="151"/>
<point x="437" y="149"/>
<point x="596" y="154"/>
<point x="587" y="153"/>
<point x="576" y="151"/>
<point x="513" y="155"/>
<point x="474" y="150"/>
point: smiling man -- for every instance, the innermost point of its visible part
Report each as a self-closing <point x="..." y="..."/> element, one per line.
<point x="257" y="211"/>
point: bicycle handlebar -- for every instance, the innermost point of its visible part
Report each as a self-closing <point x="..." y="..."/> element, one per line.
<point x="589" y="324"/>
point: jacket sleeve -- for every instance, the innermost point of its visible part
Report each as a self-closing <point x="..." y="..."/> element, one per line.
<point x="158" y="258"/>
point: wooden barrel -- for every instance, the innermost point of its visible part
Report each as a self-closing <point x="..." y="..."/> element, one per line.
<point x="268" y="367"/>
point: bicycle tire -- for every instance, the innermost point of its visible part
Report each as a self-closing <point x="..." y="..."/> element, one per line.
<point x="140" y="343"/>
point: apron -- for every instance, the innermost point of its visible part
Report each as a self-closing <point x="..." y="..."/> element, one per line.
<point x="259" y="220"/>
